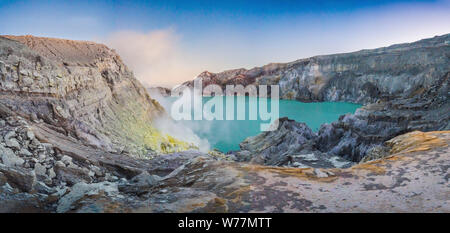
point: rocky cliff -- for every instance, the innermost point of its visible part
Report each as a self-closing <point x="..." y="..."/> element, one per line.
<point x="355" y="136"/>
<point x="404" y="88"/>
<point x="365" y="76"/>
<point x="84" y="90"/>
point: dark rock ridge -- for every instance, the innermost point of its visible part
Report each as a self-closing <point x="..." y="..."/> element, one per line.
<point x="353" y="136"/>
<point x="404" y="88"/>
<point x="293" y="144"/>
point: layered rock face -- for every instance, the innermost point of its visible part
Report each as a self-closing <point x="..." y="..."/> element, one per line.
<point x="292" y="144"/>
<point x="354" y="136"/>
<point x="84" y="90"/>
<point x="404" y="88"/>
<point x="362" y="77"/>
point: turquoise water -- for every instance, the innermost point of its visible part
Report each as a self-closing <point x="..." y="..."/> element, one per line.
<point x="225" y="135"/>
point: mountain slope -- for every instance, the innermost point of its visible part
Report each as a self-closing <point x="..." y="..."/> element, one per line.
<point x="361" y="77"/>
<point x="83" y="88"/>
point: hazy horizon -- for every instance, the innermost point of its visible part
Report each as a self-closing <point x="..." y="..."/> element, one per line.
<point x="168" y="42"/>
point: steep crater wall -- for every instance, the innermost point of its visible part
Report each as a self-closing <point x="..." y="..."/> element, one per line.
<point x="363" y="77"/>
<point x="83" y="89"/>
<point x="404" y="87"/>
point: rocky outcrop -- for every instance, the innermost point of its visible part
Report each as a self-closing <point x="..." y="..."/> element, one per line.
<point x="361" y="77"/>
<point x="84" y="90"/>
<point x="292" y="144"/>
<point x="36" y="168"/>
<point x="353" y="137"/>
<point x="412" y="178"/>
<point x="71" y="113"/>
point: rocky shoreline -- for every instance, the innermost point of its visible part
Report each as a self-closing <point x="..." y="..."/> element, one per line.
<point x="402" y="87"/>
<point x="77" y="135"/>
<point x="355" y="136"/>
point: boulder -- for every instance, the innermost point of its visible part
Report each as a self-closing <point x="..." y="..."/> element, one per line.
<point x="20" y="178"/>
<point x="9" y="158"/>
<point x="40" y="171"/>
<point x="140" y="184"/>
<point x="12" y="143"/>
<point x="66" y="160"/>
<point x="81" y="190"/>
<point x="71" y="175"/>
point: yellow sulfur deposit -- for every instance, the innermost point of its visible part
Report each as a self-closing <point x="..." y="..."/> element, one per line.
<point x="137" y="129"/>
<point x="416" y="141"/>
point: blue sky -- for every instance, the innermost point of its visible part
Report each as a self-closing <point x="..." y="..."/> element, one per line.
<point x="187" y="37"/>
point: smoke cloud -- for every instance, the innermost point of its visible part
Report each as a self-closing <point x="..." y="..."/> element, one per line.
<point x="155" y="57"/>
<point x="181" y="130"/>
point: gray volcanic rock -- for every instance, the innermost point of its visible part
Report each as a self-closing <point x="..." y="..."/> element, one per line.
<point x="360" y="77"/>
<point x="139" y="184"/>
<point x="18" y="177"/>
<point x="83" y="89"/>
<point x="292" y="144"/>
<point x="290" y="137"/>
<point x="164" y="165"/>
<point x="9" y="158"/>
<point x="410" y="179"/>
<point x="80" y="190"/>
<point x="353" y="135"/>
<point x="404" y="88"/>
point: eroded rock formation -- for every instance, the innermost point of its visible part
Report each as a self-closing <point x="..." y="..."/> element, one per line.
<point x="365" y="76"/>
